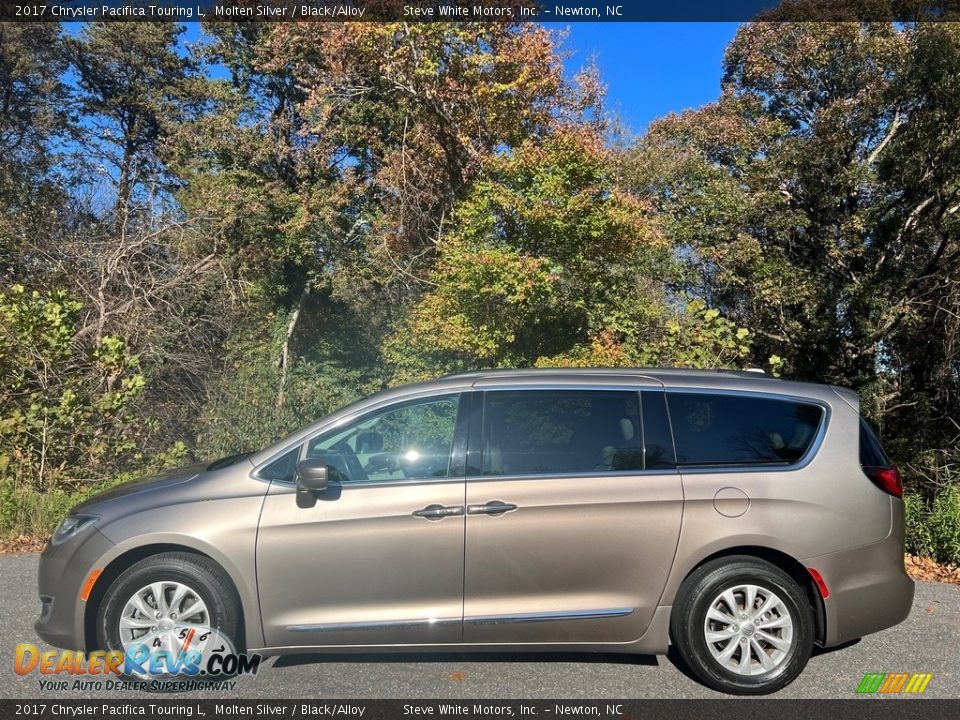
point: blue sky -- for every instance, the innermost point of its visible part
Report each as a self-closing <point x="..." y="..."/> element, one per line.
<point x="651" y="69"/>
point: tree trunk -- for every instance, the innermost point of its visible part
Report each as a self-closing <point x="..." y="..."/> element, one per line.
<point x="284" y="361"/>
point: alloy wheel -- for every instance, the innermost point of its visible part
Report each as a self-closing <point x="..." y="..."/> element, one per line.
<point x="748" y="630"/>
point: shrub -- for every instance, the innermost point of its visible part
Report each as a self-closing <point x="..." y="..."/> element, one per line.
<point x="919" y="540"/>
<point x="933" y="529"/>
<point x="65" y="411"/>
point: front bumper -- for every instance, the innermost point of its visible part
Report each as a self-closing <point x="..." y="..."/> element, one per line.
<point x="869" y="586"/>
<point x="60" y="578"/>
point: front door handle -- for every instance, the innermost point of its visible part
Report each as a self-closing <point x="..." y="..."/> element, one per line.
<point x="494" y="507"/>
<point x="438" y="512"/>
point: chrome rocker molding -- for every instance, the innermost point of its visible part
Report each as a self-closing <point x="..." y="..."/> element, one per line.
<point x="476" y="620"/>
<point x="372" y="625"/>
<point x="546" y="616"/>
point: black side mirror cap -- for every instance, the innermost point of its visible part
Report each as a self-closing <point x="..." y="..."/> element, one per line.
<point x="313" y="474"/>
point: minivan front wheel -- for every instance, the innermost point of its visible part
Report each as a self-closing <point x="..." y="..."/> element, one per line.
<point x="743" y="626"/>
<point x="168" y="603"/>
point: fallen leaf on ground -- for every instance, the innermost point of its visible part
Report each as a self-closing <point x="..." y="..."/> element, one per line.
<point x="923" y="568"/>
<point x="22" y="544"/>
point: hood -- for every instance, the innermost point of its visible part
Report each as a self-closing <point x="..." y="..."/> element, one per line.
<point x="163" y="480"/>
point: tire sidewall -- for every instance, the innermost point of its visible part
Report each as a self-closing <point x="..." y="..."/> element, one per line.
<point x="155" y="570"/>
<point x="697" y="652"/>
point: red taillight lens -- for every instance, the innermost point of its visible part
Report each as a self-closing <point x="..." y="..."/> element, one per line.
<point x="886" y="478"/>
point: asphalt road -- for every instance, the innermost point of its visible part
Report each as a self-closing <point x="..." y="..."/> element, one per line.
<point x="928" y="641"/>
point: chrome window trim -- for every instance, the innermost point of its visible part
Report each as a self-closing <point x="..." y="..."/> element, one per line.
<point x="573" y="387"/>
<point x="800" y="464"/>
<point x="346" y="420"/>
<point x="406" y="482"/>
<point x="573" y="475"/>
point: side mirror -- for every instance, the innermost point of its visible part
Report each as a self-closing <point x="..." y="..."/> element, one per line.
<point x="312" y="475"/>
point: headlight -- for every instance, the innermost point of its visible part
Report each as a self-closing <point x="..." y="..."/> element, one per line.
<point x="70" y="526"/>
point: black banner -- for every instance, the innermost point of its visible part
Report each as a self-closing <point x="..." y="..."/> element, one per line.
<point x="565" y="11"/>
<point x="745" y="709"/>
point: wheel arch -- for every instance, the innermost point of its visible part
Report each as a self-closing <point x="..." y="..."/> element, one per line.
<point x="127" y="559"/>
<point x="788" y="564"/>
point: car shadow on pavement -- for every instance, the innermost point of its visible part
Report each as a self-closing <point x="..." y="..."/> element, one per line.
<point x="473" y="657"/>
<point x="842" y="646"/>
<point x="674" y="657"/>
<point x="283" y="661"/>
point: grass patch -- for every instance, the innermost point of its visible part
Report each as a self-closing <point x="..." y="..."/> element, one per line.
<point x="26" y="512"/>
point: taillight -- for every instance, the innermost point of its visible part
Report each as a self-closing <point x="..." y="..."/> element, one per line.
<point x="886" y="478"/>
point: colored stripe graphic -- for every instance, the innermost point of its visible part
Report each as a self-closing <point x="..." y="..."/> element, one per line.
<point x="918" y="682"/>
<point x="893" y="683"/>
<point x="871" y="682"/>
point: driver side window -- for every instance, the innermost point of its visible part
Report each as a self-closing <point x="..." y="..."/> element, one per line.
<point x="409" y="441"/>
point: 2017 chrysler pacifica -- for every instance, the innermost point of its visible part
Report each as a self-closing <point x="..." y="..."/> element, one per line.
<point x="741" y="518"/>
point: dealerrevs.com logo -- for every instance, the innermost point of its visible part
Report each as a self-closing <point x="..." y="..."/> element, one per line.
<point x="203" y="659"/>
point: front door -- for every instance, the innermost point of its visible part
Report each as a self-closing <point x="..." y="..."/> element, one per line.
<point x="379" y="558"/>
<point x="572" y="520"/>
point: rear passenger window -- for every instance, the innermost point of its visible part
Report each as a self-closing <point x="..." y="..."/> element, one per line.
<point x="716" y="429"/>
<point x="555" y="432"/>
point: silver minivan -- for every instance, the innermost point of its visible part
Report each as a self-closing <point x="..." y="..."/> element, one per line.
<point x="740" y="518"/>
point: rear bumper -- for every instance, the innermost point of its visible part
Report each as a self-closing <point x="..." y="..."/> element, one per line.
<point x="869" y="587"/>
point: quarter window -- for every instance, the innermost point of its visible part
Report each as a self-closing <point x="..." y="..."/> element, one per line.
<point x="715" y="429"/>
<point x="284" y="468"/>
<point x="555" y="432"/>
<point x="871" y="452"/>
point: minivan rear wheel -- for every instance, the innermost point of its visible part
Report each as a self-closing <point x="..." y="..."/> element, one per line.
<point x="743" y="626"/>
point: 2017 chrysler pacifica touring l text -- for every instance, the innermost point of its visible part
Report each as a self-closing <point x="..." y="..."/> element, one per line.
<point x="741" y="518"/>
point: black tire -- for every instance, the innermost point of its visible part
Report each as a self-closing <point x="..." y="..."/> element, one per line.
<point x="196" y="571"/>
<point x="689" y="617"/>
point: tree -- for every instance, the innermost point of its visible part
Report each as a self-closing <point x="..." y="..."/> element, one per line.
<point x="339" y="152"/>
<point x="816" y="204"/>
<point x="548" y="263"/>
<point x="133" y="86"/>
<point x="146" y="275"/>
<point x="31" y="119"/>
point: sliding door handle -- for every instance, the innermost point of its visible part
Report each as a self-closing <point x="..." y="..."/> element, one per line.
<point x="438" y="512"/>
<point x="494" y="507"/>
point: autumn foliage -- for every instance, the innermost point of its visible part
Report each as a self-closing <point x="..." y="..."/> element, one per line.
<point x="231" y="237"/>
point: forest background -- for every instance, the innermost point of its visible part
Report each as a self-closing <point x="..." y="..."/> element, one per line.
<point x="205" y="245"/>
